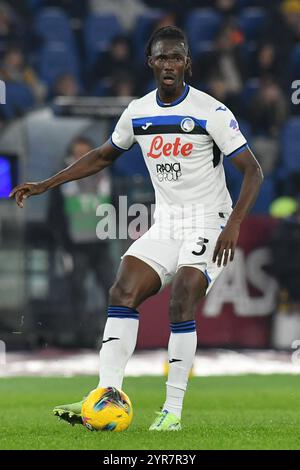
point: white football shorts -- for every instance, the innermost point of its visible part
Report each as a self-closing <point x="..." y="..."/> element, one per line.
<point x="166" y="249"/>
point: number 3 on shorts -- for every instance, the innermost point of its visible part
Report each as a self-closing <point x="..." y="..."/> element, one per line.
<point x="202" y="243"/>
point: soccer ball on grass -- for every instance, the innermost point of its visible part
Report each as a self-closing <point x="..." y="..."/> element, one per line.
<point x="107" y="409"/>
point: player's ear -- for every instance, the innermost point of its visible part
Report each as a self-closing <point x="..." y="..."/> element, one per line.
<point x="188" y="65"/>
<point x="150" y="61"/>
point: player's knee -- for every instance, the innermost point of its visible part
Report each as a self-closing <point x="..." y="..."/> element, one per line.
<point x="119" y="294"/>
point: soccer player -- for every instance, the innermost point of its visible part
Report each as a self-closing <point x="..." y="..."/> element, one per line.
<point x="184" y="135"/>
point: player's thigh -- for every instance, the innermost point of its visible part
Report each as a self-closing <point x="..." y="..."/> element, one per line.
<point x="159" y="251"/>
<point x="135" y="282"/>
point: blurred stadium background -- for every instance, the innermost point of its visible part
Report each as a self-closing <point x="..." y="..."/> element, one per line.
<point x="69" y="69"/>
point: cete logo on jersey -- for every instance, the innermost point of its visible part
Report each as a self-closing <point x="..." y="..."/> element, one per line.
<point x="187" y="124"/>
<point x="169" y="149"/>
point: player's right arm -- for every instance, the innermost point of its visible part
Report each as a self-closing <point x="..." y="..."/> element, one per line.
<point x="93" y="162"/>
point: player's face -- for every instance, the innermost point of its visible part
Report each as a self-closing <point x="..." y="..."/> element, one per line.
<point x="169" y="62"/>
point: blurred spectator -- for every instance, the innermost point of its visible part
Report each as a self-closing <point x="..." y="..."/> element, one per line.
<point x="76" y="10"/>
<point x="168" y="19"/>
<point x="117" y="60"/>
<point x="286" y="254"/>
<point x="15" y="69"/>
<point x="174" y="11"/>
<point x="217" y="88"/>
<point x="284" y="30"/>
<point x="266" y="150"/>
<point x="122" y="84"/>
<point x="21" y="8"/>
<point x="226" y="60"/>
<point x="266" y="63"/>
<point x="72" y="218"/>
<point x="11" y="31"/>
<point x="268" y="110"/>
<point x="285" y="250"/>
<point x="66" y="85"/>
<point x="176" y="7"/>
<point x="126" y="11"/>
<point x="292" y="184"/>
<point x="290" y="30"/>
<point x="226" y="7"/>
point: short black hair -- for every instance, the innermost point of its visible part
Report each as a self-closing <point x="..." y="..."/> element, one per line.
<point x="168" y="32"/>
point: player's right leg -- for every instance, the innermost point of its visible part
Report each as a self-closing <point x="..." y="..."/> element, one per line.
<point x="135" y="282"/>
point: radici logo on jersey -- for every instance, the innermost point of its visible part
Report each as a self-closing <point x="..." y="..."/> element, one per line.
<point x="168" y="171"/>
<point x="183" y="144"/>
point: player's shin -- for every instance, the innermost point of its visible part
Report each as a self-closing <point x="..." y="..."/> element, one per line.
<point x="181" y="351"/>
<point x="119" y="340"/>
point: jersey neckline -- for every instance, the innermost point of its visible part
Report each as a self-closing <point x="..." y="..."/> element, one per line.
<point x="173" y="103"/>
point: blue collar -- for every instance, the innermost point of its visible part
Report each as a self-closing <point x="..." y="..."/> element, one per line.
<point x="174" y="103"/>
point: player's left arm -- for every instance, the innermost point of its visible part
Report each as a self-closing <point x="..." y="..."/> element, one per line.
<point x="246" y="163"/>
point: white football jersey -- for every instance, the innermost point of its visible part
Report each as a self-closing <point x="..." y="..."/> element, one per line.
<point x="183" y="144"/>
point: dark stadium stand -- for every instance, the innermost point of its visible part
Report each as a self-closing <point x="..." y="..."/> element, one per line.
<point x="290" y="146"/>
<point x="99" y="30"/>
<point x="55" y="59"/>
<point x="70" y="68"/>
<point x="201" y="26"/>
<point x="19" y="99"/>
<point x="252" y="22"/>
<point x="69" y="38"/>
<point x="53" y="25"/>
<point x="144" y="25"/>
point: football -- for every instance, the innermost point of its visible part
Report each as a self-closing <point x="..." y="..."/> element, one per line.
<point x="107" y="409"/>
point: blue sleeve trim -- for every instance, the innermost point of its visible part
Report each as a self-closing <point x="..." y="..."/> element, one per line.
<point x="235" y="152"/>
<point x="116" y="146"/>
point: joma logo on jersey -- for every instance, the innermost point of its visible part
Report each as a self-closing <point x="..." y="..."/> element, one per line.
<point x="169" y="149"/>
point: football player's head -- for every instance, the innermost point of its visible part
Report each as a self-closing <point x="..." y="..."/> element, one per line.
<point x="168" y="55"/>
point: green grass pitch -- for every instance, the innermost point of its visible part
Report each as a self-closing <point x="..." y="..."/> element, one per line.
<point x="242" y="412"/>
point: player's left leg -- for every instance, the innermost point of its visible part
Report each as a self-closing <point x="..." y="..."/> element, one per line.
<point x="189" y="286"/>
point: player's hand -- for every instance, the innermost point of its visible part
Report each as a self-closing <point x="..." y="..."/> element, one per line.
<point x="25" y="190"/>
<point x="226" y="243"/>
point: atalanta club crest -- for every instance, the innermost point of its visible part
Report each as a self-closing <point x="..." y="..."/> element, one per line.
<point x="187" y="124"/>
